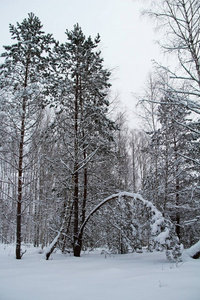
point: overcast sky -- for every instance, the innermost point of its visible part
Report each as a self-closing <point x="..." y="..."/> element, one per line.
<point x="127" y="40"/>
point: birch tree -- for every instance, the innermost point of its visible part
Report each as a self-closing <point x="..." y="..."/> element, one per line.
<point x="180" y="22"/>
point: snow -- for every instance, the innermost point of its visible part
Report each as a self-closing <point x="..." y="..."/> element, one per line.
<point x="93" y="276"/>
<point x="192" y="250"/>
<point x="156" y="226"/>
<point x="162" y="237"/>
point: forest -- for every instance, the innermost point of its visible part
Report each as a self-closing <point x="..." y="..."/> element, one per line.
<point x="73" y="175"/>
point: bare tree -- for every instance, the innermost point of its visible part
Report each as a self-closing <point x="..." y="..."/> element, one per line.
<point x="180" y="21"/>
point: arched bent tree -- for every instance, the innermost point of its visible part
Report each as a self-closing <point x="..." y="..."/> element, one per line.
<point x="162" y="232"/>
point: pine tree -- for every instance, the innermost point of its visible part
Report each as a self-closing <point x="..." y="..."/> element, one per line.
<point x="82" y="122"/>
<point x="24" y="77"/>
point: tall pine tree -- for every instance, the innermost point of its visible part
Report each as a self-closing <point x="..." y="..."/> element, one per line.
<point x="24" y="77"/>
<point x="82" y="123"/>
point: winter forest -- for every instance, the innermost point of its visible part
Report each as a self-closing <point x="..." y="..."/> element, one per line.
<point x="73" y="175"/>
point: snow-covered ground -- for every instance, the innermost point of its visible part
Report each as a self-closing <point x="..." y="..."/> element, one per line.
<point x="135" y="276"/>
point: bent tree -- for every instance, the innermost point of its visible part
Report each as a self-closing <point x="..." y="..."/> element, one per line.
<point x="23" y="84"/>
<point x="161" y="232"/>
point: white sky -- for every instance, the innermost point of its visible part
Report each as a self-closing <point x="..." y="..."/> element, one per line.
<point x="127" y="40"/>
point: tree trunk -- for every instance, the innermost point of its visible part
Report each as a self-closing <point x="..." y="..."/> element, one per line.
<point x="177" y="189"/>
<point x="20" y="167"/>
<point x="76" y="173"/>
<point x="52" y="246"/>
<point x="166" y="178"/>
<point x="19" y="197"/>
<point x="77" y="249"/>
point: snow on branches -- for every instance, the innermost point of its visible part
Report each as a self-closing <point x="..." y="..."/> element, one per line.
<point x="147" y="223"/>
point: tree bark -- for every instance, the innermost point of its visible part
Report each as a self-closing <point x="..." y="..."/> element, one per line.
<point x="20" y="165"/>
<point x="76" y="173"/>
<point x="177" y="188"/>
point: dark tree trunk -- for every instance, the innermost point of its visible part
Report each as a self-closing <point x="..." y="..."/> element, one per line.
<point x="77" y="249"/>
<point x="84" y="202"/>
<point x="177" y="189"/>
<point x="20" y="167"/>
<point x="76" y="173"/>
<point x="19" y="197"/>
<point x="177" y="213"/>
<point x="84" y="195"/>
